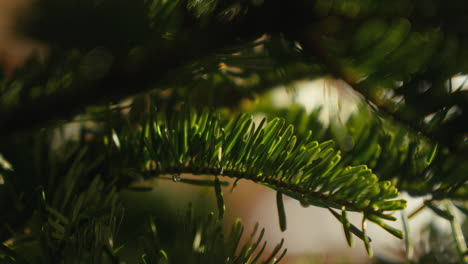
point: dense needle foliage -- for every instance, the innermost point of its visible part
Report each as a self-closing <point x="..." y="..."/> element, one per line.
<point x="170" y="87"/>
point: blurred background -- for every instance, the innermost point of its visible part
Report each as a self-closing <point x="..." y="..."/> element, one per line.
<point x="313" y="234"/>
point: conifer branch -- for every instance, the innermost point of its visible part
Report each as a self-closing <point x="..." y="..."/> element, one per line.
<point x="388" y="149"/>
<point x="203" y="241"/>
<point x="271" y="155"/>
<point x="315" y="47"/>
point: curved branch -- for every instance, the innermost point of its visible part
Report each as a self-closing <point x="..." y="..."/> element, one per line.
<point x="314" y="46"/>
<point x="269" y="154"/>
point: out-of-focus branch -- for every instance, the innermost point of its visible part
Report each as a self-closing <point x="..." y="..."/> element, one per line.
<point x="120" y="81"/>
<point x="314" y="47"/>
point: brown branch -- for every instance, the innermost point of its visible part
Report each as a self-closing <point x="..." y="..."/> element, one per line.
<point x="313" y="45"/>
<point x="287" y="189"/>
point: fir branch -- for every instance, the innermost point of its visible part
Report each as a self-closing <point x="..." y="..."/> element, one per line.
<point x="126" y="73"/>
<point x="387" y="148"/>
<point x="315" y="46"/>
<point x="270" y="155"/>
<point x="203" y="241"/>
<point x="69" y="211"/>
<point x="85" y="230"/>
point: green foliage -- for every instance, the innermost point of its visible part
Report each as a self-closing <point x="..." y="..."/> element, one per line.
<point x="60" y="197"/>
<point x="393" y="152"/>
<point x="203" y="241"/>
<point x="304" y="170"/>
<point x="76" y="221"/>
<point x="70" y="217"/>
